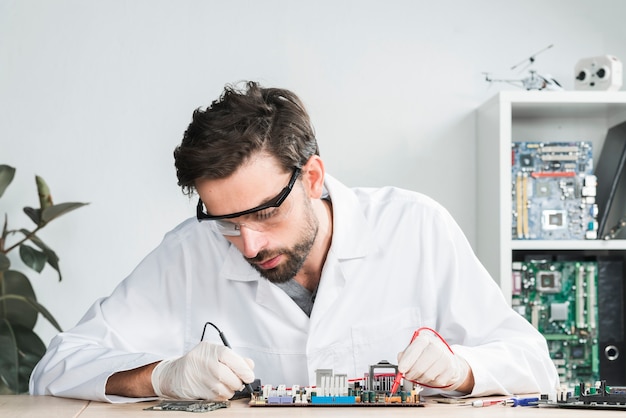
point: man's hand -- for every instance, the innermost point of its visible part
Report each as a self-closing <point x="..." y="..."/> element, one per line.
<point x="209" y="371"/>
<point x="429" y="361"/>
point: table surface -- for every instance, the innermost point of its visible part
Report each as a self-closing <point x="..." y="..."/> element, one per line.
<point x="51" y="407"/>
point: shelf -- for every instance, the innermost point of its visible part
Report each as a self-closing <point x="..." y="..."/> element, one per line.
<point x="544" y="116"/>
<point x="540" y="105"/>
<point x="520" y="115"/>
<point x="591" y="245"/>
<point x="570" y="99"/>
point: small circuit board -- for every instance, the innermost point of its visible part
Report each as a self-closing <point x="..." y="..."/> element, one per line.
<point x="596" y="396"/>
<point x="553" y="191"/>
<point x="560" y="300"/>
<point x="188" y="406"/>
<point x="373" y="390"/>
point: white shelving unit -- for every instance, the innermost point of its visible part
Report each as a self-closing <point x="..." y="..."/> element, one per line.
<point x="533" y="116"/>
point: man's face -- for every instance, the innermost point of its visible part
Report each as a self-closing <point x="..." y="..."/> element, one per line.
<point x="276" y="245"/>
<point x="279" y="265"/>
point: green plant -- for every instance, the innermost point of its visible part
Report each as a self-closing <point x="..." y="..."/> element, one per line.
<point x="20" y="347"/>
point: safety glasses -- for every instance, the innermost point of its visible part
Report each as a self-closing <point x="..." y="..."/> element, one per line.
<point x="257" y="218"/>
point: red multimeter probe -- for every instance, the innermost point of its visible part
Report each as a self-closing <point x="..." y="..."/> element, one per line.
<point x="398" y="379"/>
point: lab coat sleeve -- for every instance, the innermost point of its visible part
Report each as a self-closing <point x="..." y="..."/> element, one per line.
<point x="507" y="355"/>
<point x="140" y="323"/>
<point x="77" y="366"/>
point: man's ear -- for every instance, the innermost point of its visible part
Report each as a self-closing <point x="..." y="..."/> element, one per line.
<point x="313" y="177"/>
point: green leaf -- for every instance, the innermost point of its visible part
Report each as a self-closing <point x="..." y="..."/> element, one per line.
<point x="36" y="306"/>
<point x="5" y="263"/>
<point x="14" y="302"/>
<point x="4" y="388"/>
<point x="55" y="211"/>
<point x="45" y="199"/>
<point x="33" y="258"/>
<point x="33" y="214"/>
<point x="8" y="356"/>
<point x="20" y="350"/>
<point x="6" y="177"/>
<point x="53" y="259"/>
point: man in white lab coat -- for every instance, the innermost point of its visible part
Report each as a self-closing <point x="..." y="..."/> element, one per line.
<point x="301" y="273"/>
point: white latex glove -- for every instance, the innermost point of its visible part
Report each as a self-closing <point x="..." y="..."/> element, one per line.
<point x="209" y="371"/>
<point x="429" y="361"/>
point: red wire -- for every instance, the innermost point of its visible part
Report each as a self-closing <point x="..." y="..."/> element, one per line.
<point x="434" y="332"/>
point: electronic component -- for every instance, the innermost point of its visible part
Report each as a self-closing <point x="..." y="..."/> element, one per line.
<point x="337" y="390"/>
<point x="188" y="406"/>
<point x="560" y="300"/>
<point x="596" y="396"/>
<point x="553" y="191"/>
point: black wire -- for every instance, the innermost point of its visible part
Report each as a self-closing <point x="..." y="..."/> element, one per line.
<point x="225" y="341"/>
<point x="204" y="329"/>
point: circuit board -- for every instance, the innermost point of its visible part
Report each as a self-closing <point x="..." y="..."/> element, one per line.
<point x="188" y="406"/>
<point x="373" y="390"/>
<point x="598" y="396"/>
<point x="378" y="388"/>
<point x="553" y="191"/>
<point x="560" y="300"/>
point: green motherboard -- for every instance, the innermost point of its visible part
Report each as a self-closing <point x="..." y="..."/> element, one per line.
<point x="559" y="298"/>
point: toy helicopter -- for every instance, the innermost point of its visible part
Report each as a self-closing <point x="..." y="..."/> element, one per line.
<point x="534" y="81"/>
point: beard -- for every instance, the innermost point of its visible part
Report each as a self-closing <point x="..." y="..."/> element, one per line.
<point x="294" y="257"/>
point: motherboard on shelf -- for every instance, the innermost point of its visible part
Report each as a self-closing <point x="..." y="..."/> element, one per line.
<point x="553" y="191"/>
<point x="373" y="390"/>
<point x="559" y="298"/>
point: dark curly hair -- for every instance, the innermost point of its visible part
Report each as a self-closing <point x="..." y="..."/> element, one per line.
<point x="241" y="123"/>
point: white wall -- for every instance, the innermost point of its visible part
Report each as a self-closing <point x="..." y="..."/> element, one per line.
<point x="94" y="96"/>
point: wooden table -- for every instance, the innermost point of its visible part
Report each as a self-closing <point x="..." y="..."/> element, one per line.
<point x="24" y="406"/>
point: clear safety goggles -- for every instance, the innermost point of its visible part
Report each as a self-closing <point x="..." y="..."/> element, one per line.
<point x="260" y="218"/>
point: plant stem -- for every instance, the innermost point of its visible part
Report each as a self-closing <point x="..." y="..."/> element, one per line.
<point x="17" y="244"/>
<point x="4" y="233"/>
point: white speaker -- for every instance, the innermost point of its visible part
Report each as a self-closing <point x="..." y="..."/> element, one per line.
<point x="598" y="73"/>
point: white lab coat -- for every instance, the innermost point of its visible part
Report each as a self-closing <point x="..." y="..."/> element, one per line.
<point x="397" y="262"/>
